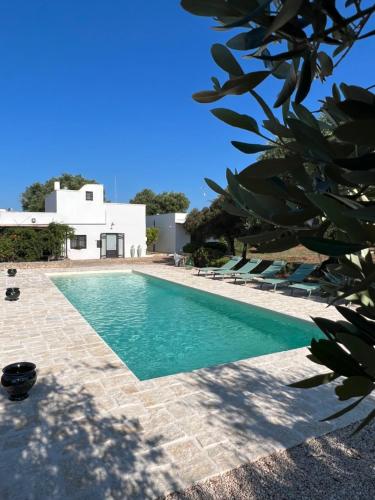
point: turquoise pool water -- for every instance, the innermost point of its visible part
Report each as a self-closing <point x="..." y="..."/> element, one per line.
<point x="158" y="328"/>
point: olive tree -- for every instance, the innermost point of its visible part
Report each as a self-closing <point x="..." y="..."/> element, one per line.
<point x="319" y="192"/>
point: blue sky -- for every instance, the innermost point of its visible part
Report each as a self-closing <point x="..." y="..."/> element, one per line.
<point x="103" y="88"/>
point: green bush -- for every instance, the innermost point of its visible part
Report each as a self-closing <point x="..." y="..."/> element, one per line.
<point x="216" y="245"/>
<point x="204" y="256"/>
<point x="152" y="235"/>
<point x="22" y="244"/>
<point x="191" y="247"/>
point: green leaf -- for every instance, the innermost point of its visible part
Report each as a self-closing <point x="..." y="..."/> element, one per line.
<point x="236" y="120"/>
<point x="264" y="236"/>
<point x="251" y="148"/>
<point x="235" y="86"/>
<point x="335" y="211"/>
<point x="367" y="214"/>
<point x="224" y="58"/>
<point x="311" y="138"/>
<point x="333" y="248"/>
<point x="233" y="210"/>
<point x="326" y="64"/>
<point x="215" y="187"/>
<point x="360" y="350"/>
<point x="354" y="387"/>
<point x="305" y="79"/>
<point x="305" y="116"/>
<point x="315" y="381"/>
<point x="289" y="10"/>
<point x="290" y="54"/>
<point x="275" y="127"/>
<point x="264" y="169"/>
<point x="279" y="245"/>
<point x="288" y="87"/>
<point x="357" y="109"/>
<point x="209" y="8"/>
<point x="361" y="132"/>
<point x="262" y="103"/>
<point x="335" y="358"/>
<point x="248" y="40"/>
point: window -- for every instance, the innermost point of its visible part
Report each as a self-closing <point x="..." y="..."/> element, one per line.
<point x="89" y="195"/>
<point x="78" y="242"/>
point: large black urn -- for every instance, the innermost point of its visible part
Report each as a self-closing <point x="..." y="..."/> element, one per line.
<point x="12" y="272"/>
<point x="18" y="379"/>
<point x="12" y="293"/>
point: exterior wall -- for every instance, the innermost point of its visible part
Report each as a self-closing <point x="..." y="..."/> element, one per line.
<point x="73" y="208"/>
<point x="119" y="218"/>
<point x="10" y="218"/>
<point x="172" y="235"/>
<point x="86" y="217"/>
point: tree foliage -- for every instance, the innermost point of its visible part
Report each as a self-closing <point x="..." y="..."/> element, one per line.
<point x="215" y="222"/>
<point x="23" y="244"/>
<point x="319" y="191"/>
<point x="162" y="203"/>
<point x="32" y="199"/>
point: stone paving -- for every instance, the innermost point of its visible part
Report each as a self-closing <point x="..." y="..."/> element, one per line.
<point x="92" y="430"/>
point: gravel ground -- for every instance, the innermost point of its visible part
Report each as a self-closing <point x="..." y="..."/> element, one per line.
<point x="335" y="466"/>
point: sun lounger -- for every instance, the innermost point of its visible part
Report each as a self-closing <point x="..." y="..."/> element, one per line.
<point x="302" y="271"/>
<point x="271" y="270"/>
<point x="228" y="265"/>
<point x="245" y="269"/>
<point x="308" y="287"/>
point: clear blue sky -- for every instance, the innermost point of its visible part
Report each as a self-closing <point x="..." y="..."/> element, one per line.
<point x="103" y="88"/>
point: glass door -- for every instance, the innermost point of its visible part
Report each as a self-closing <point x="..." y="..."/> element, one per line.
<point x="111" y="245"/>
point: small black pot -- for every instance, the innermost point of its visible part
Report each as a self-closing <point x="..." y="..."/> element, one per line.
<point x="18" y="379"/>
<point x="12" y="272"/>
<point x="12" y="294"/>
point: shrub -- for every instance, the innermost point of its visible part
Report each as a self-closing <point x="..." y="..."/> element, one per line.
<point x="31" y="244"/>
<point x="216" y="245"/>
<point x="152" y="235"/>
<point x="204" y="256"/>
<point x="191" y="247"/>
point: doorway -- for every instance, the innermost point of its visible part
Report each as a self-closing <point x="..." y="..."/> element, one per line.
<point x="111" y="245"/>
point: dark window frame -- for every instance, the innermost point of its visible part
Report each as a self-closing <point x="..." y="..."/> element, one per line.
<point x="89" y="195"/>
<point x="78" y="242"/>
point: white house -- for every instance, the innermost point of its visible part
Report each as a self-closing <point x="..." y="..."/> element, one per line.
<point x="102" y="230"/>
<point x="172" y="234"/>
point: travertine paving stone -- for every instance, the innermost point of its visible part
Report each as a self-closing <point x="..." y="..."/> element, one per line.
<point x="91" y="429"/>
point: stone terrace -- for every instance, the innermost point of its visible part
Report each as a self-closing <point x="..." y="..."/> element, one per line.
<point x="92" y="430"/>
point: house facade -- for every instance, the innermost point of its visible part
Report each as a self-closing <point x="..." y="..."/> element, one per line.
<point x="172" y="234"/>
<point x="102" y="230"/>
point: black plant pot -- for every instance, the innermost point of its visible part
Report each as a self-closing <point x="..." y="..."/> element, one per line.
<point x="12" y="294"/>
<point x="12" y="272"/>
<point x="18" y="379"/>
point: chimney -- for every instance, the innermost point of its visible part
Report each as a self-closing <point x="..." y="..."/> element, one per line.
<point x="57" y="185"/>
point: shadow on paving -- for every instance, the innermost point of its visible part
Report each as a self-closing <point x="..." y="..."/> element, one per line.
<point x="333" y="466"/>
<point x="57" y="444"/>
<point x="267" y="416"/>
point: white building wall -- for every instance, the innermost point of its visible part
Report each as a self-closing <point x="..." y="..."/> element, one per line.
<point x="172" y="235"/>
<point x="87" y="217"/>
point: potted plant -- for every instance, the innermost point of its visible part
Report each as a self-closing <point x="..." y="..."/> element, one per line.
<point x="18" y="379"/>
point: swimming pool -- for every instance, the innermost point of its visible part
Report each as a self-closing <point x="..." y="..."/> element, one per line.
<point x="160" y="328"/>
